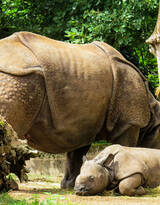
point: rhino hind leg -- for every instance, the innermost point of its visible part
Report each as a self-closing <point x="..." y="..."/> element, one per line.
<point x="132" y="185"/>
<point x="73" y="165"/>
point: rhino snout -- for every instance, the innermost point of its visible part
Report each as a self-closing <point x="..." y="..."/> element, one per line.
<point x="81" y="189"/>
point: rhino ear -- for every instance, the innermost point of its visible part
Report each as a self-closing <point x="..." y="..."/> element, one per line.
<point x="84" y="158"/>
<point x="109" y="159"/>
<point x="106" y="160"/>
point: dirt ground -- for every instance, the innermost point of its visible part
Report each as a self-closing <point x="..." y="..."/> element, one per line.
<point x="44" y="188"/>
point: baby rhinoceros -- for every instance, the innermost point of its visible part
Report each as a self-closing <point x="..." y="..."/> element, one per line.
<point x="125" y="169"/>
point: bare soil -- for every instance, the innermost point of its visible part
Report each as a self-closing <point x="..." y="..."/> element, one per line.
<point x="43" y="188"/>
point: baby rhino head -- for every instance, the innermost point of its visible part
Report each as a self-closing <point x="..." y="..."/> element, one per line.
<point x="93" y="178"/>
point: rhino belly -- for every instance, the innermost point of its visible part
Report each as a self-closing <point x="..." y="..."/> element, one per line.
<point x="68" y="136"/>
<point x="51" y="141"/>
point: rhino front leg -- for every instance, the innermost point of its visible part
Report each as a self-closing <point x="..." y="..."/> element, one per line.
<point x="132" y="185"/>
<point x="73" y="165"/>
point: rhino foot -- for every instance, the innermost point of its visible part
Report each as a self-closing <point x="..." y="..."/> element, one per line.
<point x="73" y="165"/>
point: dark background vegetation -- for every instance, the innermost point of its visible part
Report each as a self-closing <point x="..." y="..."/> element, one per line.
<point x="124" y="24"/>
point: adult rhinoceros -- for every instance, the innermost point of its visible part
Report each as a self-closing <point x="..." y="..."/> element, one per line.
<point x="65" y="96"/>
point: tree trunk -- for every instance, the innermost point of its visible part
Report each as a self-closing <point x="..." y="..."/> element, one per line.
<point x="154" y="41"/>
<point x="13" y="154"/>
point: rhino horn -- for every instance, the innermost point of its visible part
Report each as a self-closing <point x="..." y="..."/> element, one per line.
<point x="154" y="41"/>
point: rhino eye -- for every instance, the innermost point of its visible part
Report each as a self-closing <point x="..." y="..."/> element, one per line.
<point x="91" y="178"/>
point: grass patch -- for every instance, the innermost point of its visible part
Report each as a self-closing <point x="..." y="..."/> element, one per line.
<point x="53" y="199"/>
<point x="101" y="143"/>
<point x="154" y="192"/>
<point x="5" y="199"/>
<point x="150" y="192"/>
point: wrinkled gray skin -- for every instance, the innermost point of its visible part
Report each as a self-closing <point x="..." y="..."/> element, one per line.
<point x="126" y="169"/>
<point x="62" y="97"/>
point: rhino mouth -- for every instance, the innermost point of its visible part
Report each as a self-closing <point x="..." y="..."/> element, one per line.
<point x="82" y="193"/>
<point x="82" y="190"/>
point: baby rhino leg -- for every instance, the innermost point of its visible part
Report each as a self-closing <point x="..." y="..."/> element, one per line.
<point x="132" y="185"/>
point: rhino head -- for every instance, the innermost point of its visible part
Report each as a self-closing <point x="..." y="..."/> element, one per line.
<point x="93" y="178"/>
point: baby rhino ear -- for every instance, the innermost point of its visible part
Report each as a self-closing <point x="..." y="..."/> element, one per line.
<point x="106" y="160"/>
<point x="109" y="159"/>
<point x="84" y="158"/>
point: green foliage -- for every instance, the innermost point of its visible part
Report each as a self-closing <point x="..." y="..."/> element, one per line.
<point x="54" y="199"/>
<point x="2" y="123"/>
<point x="123" y="24"/>
<point x="5" y="199"/>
